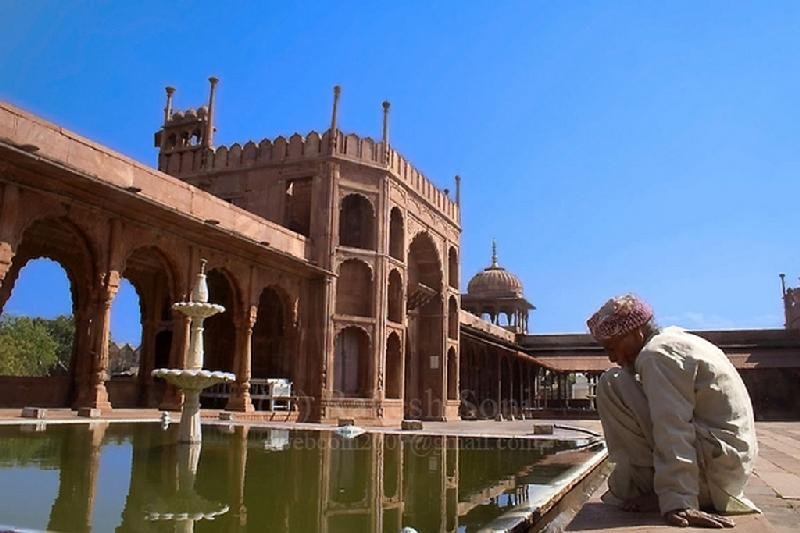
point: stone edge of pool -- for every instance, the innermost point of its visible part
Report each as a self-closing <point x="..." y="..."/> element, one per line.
<point x="558" y="506"/>
<point x="572" y="434"/>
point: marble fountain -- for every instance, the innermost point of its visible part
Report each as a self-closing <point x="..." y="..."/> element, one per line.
<point x="193" y="379"/>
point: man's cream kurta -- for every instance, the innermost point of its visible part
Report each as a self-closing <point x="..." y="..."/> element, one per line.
<point x="686" y="419"/>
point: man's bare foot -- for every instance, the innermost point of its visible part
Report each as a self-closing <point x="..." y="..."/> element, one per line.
<point x="641" y="504"/>
<point x="697" y="518"/>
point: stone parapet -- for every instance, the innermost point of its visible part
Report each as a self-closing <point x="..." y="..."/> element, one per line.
<point x="280" y="150"/>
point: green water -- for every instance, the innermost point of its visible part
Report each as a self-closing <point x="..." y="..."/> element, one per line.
<point x="128" y="477"/>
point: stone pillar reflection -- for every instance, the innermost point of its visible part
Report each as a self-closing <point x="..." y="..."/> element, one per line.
<point x="148" y="472"/>
<point x="240" y="396"/>
<point x="78" y="471"/>
<point x="238" y="470"/>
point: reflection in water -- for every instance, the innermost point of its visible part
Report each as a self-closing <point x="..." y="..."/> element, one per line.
<point x="184" y="505"/>
<point x="271" y="480"/>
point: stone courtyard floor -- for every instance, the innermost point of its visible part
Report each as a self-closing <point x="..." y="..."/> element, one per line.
<point x="775" y="487"/>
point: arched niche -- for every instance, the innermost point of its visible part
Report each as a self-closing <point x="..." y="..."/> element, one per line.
<point x="351" y="363"/>
<point x="394" y="308"/>
<point x="356" y="222"/>
<point x="394" y="366"/>
<point x="396" y="234"/>
<point x="354" y="290"/>
<point x="452" y="267"/>
<point x="452" y="374"/>
<point x="452" y="318"/>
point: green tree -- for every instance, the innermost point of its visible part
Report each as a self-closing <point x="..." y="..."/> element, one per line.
<point x="26" y="347"/>
<point x="62" y="330"/>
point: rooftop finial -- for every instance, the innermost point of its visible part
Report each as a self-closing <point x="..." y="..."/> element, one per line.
<point x="209" y="137"/>
<point x="494" y="254"/>
<point x="337" y="92"/>
<point x="385" y="138"/>
<point x="167" y="114"/>
<point x="783" y="282"/>
<point x="168" y="108"/>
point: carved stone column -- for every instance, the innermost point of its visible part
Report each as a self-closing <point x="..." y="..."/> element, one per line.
<point x="498" y="412"/>
<point x="173" y="397"/>
<point x="240" y="397"/>
<point x="9" y="211"/>
<point x="6" y="255"/>
<point x="147" y="356"/>
<point x="81" y="362"/>
<point x="92" y="389"/>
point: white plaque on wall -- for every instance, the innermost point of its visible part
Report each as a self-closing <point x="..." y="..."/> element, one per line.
<point x="434" y="362"/>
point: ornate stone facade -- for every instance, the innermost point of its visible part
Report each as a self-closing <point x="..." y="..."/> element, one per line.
<point x="383" y="230"/>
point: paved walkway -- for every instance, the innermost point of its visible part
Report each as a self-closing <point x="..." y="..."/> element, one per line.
<point x="775" y="487"/>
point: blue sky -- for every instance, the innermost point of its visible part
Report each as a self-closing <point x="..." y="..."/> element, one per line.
<point x="608" y="146"/>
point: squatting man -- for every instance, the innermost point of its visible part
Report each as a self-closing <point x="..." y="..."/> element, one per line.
<point x="677" y="419"/>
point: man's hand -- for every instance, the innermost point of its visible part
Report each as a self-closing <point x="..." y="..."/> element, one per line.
<point x="696" y="518"/>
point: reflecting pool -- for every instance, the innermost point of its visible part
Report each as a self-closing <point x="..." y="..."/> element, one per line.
<point x="133" y="477"/>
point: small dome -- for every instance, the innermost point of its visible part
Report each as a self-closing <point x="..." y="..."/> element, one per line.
<point x="495" y="282"/>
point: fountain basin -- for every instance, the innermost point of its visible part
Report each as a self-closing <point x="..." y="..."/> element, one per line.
<point x="198" y="309"/>
<point x="193" y="379"/>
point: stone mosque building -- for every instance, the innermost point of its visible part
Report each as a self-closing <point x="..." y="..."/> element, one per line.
<point x="338" y="263"/>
